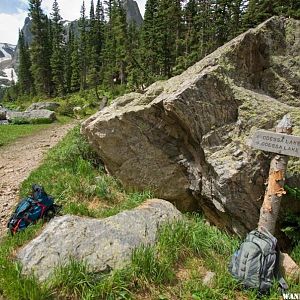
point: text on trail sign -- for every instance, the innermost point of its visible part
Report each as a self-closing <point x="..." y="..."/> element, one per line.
<point x="276" y="142"/>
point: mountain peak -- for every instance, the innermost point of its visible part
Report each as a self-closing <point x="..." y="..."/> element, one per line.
<point x="132" y="12"/>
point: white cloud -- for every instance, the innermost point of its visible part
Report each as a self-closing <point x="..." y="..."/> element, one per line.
<point x="69" y="10"/>
<point x="10" y="25"/>
<point x="141" y="4"/>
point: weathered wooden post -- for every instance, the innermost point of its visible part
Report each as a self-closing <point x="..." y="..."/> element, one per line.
<point x="283" y="144"/>
<point x="275" y="189"/>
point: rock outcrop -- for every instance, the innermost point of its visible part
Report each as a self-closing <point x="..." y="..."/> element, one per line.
<point x="43" y="105"/>
<point x="43" y="115"/>
<point x="2" y="114"/>
<point x="133" y="13"/>
<point x="289" y="268"/>
<point x="187" y="139"/>
<point x="104" y="244"/>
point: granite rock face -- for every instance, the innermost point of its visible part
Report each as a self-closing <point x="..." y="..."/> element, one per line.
<point x="133" y="13"/>
<point x="104" y="244"/>
<point x="187" y="139"/>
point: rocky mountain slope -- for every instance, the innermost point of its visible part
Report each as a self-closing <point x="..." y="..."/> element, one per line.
<point x="9" y="53"/>
<point x="187" y="139"/>
<point x="132" y="11"/>
<point x="7" y="72"/>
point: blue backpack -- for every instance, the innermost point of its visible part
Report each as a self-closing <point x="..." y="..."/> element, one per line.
<point x="32" y="208"/>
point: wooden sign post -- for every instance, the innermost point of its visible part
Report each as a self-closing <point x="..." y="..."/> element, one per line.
<point x="284" y="144"/>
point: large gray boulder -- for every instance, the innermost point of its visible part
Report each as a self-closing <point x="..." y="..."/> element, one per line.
<point x="31" y="116"/>
<point x="43" y="105"/>
<point x="104" y="244"/>
<point x="187" y="138"/>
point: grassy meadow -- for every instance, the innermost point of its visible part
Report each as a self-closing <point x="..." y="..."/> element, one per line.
<point x="11" y="132"/>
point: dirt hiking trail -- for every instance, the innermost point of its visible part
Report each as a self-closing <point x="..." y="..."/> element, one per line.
<point x="21" y="157"/>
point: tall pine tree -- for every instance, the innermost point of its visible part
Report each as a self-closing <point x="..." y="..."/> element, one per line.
<point x="57" y="58"/>
<point x="169" y="20"/>
<point x="83" y="47"/>
<point x="25" y="83"/>
<point x="149" y="41"/>
<point x="120" y="34"/>
<point x="75" y="66"/>
<point x="39" y="50"/>
<point x="260" y="10"/>
<point x="114" y="53"/>
<point x="136" y="74"/>
<point x="92" y="75"/>
<point x="99" y="37"/>
<point x="68" y="59"/>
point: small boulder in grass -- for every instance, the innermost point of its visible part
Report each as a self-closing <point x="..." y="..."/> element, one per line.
<point x="289" y="268"/>
<point x="2" y="114"/>
<point x="104" y="244"/>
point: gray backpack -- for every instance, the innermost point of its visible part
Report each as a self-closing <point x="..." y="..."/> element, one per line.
<point x="256" y="263"/>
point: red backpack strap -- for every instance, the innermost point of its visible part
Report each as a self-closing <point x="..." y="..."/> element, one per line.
<point x="42" y="206"/>
<point x="16" y="227"/>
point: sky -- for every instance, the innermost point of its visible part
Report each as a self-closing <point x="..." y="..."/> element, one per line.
<point x="14" y="12"/>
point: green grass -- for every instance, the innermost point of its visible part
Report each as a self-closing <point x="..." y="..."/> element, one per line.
<point x="70" y="175"/>
<point x="295" y="254"/>
<point x="9" y="133"/>
<point x="13" y="285"/>
<point x="173" y="268"/>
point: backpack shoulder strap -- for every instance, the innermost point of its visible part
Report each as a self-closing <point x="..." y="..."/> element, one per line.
<point x="283" y="285"/>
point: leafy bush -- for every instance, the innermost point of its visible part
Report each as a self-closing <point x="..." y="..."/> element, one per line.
<point x="21" y="121"/>
<point x="295" y="254"/>
<point x="293" y="192"/>
<point x="18" y="121"/>
<point x="291" y="222"/>
<point x="291" y="227"/>
<point x="66" y="108"/>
